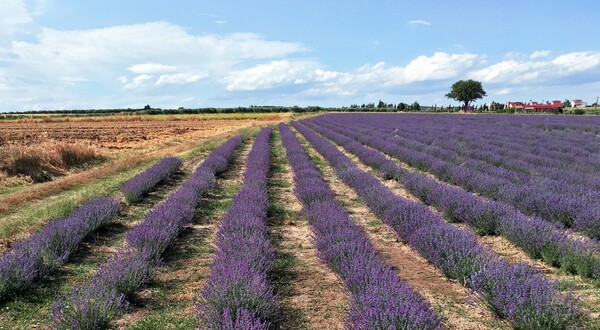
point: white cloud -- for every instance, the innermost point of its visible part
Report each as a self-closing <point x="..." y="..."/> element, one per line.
<point x="367" y="78"/>
<point x="440" y="66"/>
<point x="576" y="62"/>
<point x="13" y="14"/>
<point x="418" y="22"/>
<point x="220" y="22"/>
<point x="516" y="71"/>
<point x="167" y="52"/>
<point x="179" y="78"/>
<point x="539" y="54"/>
<point x="271" y="74"/>
<point x="139" y="81"/>
<point x="151" y="68"/>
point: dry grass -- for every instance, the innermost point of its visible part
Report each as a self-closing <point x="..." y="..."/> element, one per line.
<point x="44" y="161"/>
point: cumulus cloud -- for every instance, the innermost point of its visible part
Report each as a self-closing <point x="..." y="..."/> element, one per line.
<point x="13" y="14"/>
<point x="141" y="55"/>
<point x="517" y="71"/>
<point x="439" y="66"/>
<point x="271" y="74"/>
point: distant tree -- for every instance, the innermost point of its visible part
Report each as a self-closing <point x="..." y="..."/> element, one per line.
<point x="147" y="107"/>
<point x="466" y="91"/>
<point x="401" y="106"/>
<point x="566" y="104"/>
<point x="381" y="104"/>
<point x="415" y="106"/>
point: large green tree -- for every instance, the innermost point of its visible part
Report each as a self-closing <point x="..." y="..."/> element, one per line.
<point x="466" y="91"/>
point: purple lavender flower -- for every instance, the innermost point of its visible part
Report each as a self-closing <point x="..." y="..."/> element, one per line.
<point x="94" y="304"/>
<point x="147" y="180"/>
<point x="238" y="293"/>
<point x="51" y="246"/>
<point x="379" y="298"/>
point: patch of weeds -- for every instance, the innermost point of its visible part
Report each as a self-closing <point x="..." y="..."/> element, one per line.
<point x="374" y="223"/>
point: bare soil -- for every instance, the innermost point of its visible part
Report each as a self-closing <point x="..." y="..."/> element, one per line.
<point x="124" y="133"/>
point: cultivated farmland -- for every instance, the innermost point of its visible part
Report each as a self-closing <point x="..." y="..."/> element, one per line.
<point x="338" y="221"/>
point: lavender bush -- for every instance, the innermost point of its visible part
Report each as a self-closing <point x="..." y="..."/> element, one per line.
<point x="238" y="293"/>
<point x="455" y="251"/>
<point x="379" y="298"/>
<point x="51" y="246"/>
<point x="538" y="238"/>
<point x="142" y="183"/>
<point x="567" y="198"/>
<point x="94" y="304"/>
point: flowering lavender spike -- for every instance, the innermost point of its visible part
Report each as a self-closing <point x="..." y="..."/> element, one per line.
<point x="142" y="183"/>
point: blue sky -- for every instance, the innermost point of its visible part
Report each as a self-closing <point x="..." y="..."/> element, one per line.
<point x="67" y="54"/>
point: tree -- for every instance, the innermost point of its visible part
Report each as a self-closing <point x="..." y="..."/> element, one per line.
<point x="415" y="106"/>
<point x="466" y="91"/>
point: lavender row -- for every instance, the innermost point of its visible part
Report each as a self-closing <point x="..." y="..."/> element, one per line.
<point x="238" y="293"/>
<point x="572" y="173"/>
<point x="509" y="129"/>
<point x="472" y="150"/>
<point x="142" y="183"/>
<point x="51" y="246"/>
<point x="529" y="199"/>
<point x="517" y="292"/>
<point x="95" y="304"/>
<point x="538" y="238"/>
<point x="478" y="151"/>
<point x="379" y="298"/>
<point x="477" y="145"/>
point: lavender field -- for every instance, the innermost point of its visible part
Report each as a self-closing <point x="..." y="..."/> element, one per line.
<point x="339" y="221"/>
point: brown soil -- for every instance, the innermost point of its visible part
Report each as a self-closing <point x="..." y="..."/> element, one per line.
<point x="121" y="134"/>
<point x="124" y="143"/>
<point x="451" y="299"/>
<point x="312" y="296"/>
